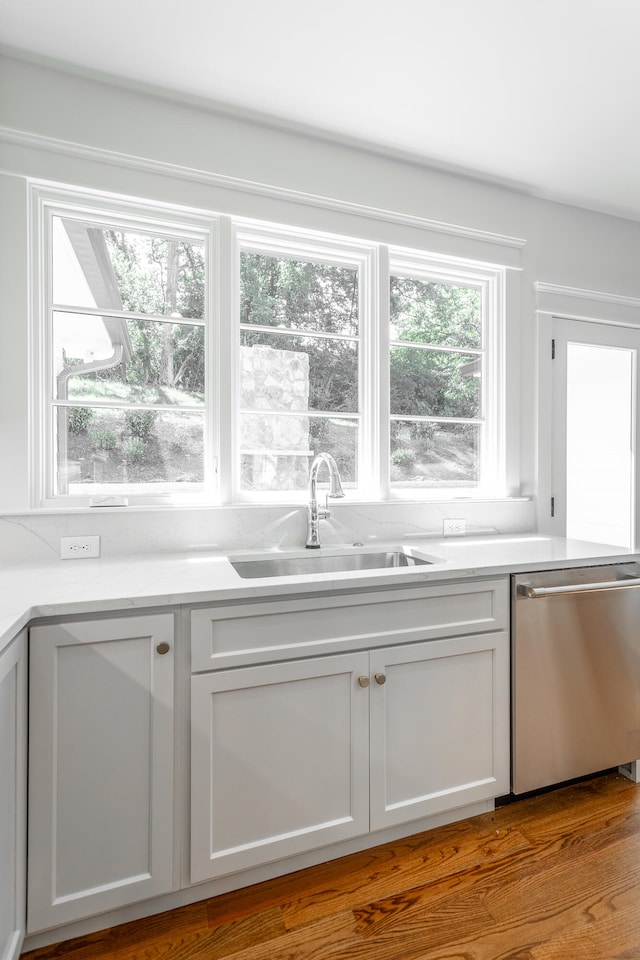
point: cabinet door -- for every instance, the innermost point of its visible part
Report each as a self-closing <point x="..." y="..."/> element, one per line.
<point x="279" y="761"/>
<point x="439" y="726"/>
<point x="13" y="783"/>
<point x="100" y="766"/>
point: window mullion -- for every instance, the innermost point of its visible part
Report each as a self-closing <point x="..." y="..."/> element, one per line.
<point x="301" y="333"/>
<point x="48" y="446"/>
<point x="229" y="393"/>
<point x="437" y="348"/>
<point x="494" y="384"/>
<point x="379" y="367"/>
<point x="114" y="314"/>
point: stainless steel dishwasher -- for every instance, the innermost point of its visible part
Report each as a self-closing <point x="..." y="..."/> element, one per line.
<point x="575" y="673"/>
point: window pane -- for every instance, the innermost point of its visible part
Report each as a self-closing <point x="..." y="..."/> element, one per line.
<point x="280" y="372"/>
<point x="141" y="273"/>
<point x="278" y="292"/>
<point x="434" y="383"/>
<point x="276" y="451"/>
<point x="435" y="454"/>
<point x="163" y="362"/>
<point x="100" y="447"/>
<point x="600" y="447"/>
<point x="425" y="311"/>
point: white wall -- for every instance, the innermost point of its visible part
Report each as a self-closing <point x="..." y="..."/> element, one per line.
<point x="79" y="130"/>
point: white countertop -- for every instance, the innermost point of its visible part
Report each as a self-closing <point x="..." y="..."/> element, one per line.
<point x="29" y="592"/>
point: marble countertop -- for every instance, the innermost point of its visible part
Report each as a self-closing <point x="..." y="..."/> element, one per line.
<point x="62" y="588"/>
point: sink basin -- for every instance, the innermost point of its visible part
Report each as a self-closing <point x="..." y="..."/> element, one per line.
<point x="320" y="563"/>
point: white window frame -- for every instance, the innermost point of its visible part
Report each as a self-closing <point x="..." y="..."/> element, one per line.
<point x="124" y="214"/>
<point x="491" y="281"/>
<point x="225" y="236"/>
<point x="279" y="241"/>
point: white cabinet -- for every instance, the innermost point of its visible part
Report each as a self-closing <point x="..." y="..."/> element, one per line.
<point x="294" y="755"/>
<point x="13" y="782"/>
<point x="315" y="722"/>
<point x="279" y="761"/>
<point x="439" y="726"/>
<point x="101" y="742"/>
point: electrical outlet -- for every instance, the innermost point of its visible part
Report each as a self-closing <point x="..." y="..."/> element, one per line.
<point x="79" y="548"/>
<point x="454" y="528"/>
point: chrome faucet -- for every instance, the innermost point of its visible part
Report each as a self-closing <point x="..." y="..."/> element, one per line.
<point x="314" y="515"/>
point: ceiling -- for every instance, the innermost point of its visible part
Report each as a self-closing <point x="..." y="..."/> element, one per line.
<point x="543" y="95"/>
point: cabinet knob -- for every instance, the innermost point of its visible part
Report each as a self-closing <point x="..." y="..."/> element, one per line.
<point x="163" y="648"/>
<point x="380" y="678"/>
<point x="363" y="681"/>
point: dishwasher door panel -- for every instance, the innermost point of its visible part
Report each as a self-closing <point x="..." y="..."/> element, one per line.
<point x="575" y="674"/>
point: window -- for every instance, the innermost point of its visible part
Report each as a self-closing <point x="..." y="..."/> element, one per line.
<point x="386" y="358"/>
<point x="300" y="313"/>
<point x="125" y="357"/>
<point x="445" y="424"/>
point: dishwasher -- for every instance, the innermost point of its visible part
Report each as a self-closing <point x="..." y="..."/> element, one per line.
<point x="575" y="674"/>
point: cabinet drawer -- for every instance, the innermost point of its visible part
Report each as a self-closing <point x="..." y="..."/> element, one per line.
<point x="227" y="636"/>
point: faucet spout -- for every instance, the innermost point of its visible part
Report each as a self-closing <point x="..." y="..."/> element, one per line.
<point x="315" y="515"/>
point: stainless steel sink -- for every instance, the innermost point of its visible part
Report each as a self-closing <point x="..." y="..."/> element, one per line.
<point x="320" y="563"/>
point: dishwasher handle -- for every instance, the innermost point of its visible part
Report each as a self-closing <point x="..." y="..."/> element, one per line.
<point x="535" y="593"/>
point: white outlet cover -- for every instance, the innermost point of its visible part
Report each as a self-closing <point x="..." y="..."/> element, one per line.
<point x="454" y="527"/>
<point x="79" y="548"/>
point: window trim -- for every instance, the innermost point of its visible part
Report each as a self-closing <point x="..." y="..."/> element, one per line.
<point x="223" y="235"/>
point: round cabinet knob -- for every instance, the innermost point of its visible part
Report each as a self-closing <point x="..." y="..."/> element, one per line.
<point x="363" y="681"/>
<point x="379" y="678"/>
<point x="163" y="648"/>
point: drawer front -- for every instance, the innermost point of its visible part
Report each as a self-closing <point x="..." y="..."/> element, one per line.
<point x="228" y="636"/>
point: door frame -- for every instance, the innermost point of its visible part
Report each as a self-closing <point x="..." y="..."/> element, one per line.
<point x="597" y="333"/>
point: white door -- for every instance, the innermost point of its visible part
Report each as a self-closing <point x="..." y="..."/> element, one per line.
<point x="595" y="424"/>
<point x="439" y="726"/>
<point x="100" y="766"/>
<point x="13" y="786"/>
<point x="279" y="761"/>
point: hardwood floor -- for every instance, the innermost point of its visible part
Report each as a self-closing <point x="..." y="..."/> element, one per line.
<point x="551" y="877"/>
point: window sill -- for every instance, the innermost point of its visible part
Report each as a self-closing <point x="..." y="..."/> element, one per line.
<point x="253" y="505"/>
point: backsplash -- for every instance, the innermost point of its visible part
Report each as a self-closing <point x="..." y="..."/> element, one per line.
<point x="35" y="538"/>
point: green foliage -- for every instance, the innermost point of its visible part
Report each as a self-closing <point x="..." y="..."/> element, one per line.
<point x="104" y="439"/>
<point x="278" y="292"/>
<point x="300" y="295"/>
<point x="164" y="278"/>
<point x="78" y="418"/>
<point x="443" y="453"/>
<point x="403" y="457"/>
<point x="156" y="275"/>
<point x="140" y="423"/>
<point x="443" y="314"/>
<point x="434" y="382"/>
<point x="134" y="449"/>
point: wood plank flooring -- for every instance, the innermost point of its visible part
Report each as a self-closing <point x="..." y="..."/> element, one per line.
<point x="551" y="877"/>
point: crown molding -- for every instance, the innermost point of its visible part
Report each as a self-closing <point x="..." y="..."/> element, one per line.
<point x="22" y="138"/>
<point x="560" y="290"/>
<point x="237" y="112"/>
<point x="574" y="302"/>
